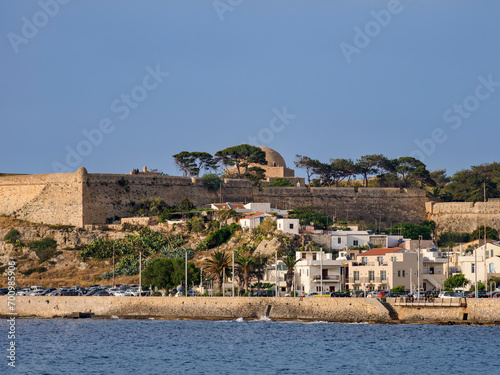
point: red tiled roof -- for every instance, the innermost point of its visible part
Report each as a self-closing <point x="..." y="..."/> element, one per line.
<point x="254" y="215"/>
<point x="239" y="206"/>
<point x="372" y="252"/>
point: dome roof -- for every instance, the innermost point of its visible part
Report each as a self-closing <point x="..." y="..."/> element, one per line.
<point x="274" y="159"/>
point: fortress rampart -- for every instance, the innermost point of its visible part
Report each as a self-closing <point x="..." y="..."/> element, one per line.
<point x="463" y="216"/>
<point x="81" y="198"/>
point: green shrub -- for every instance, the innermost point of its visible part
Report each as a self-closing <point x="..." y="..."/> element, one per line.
<point x="218" y="236"/>
<point x="43" y="244"/>
<point x="246" y="294"/>
<point x="211" y="181"/>
<point x="196" y="225"/>
<point x="280" y="181"/>
<point x="156" y="294"/>
<point x="218" y="294"/>
<point x="12" y="236"/>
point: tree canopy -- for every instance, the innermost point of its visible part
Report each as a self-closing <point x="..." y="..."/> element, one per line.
<point x="241" y="157"/>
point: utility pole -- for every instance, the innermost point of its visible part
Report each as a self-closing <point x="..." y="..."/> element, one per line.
<point x="140" y="274"/>
<point x="276" y="275"/>
<point x="113" y="264"/>
<point x="448" y="258"/>
<point x="321" y="272"/>
<point x="485" y="241"/>
<point x="418" y="257"/>
<point x="233" y="273"/>
<point x="186" y="272"/>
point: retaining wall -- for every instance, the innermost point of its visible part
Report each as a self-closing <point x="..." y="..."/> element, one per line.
<point x="324" y="309"/>
<point x="327" y="309"/>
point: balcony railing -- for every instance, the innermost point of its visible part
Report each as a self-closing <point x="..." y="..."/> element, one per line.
<point x="327" y="278"/>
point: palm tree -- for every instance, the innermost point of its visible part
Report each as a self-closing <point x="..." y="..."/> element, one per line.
<point x="219" y="260"/>
<point x="225" y="215"/>
<point x="247" y="265"/>
<point x="290" y="262"/>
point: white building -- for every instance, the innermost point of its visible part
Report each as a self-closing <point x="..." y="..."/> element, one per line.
<point x="288" y="225"/>
<point x="253" y="221"/>
<point x="316" y="269"/>
<point x="247" y="207"/>
<point x="344" y="239"/>
<point x="480" y="264"/>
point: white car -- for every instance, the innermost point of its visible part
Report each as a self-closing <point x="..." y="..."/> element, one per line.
<point x="448" y="295"/>
<point x="37" y="293"/>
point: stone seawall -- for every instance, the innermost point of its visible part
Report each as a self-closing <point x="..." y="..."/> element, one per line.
<point x="327" y="309"/>
<point x="323" y="309"/>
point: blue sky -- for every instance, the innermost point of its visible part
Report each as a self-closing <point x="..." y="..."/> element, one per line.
<point x="116" y="85"/>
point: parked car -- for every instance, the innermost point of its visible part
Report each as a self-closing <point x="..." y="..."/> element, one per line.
<point x="340" y="294"/>
<point x="48" y="291"/>
<point x="70" y="292"/>
<point x="448" y="295"/>
<point x="101" y="293"/>
<point x="24" y="292"/>
<point x="37" y="293"/>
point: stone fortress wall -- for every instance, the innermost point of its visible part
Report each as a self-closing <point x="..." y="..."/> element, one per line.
<point x="81" y="198"/>
<point x="463" y="216"/>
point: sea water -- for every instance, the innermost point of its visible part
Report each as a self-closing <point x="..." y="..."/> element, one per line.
<point x="116" y="346"/>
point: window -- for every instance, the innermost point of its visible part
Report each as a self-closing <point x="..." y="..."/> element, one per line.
<point x="356" y="275"/>
<point x="403" y="273"/>
<point x="303" y="255"/>
<point x="339" y="240"/>
<point x="291" y="226"/>
<point x="399" y="273"/>
<point x="472" y="268"/>
<point x="314" y="256"/>
<point x="492" y="268"/>
<point x="394" y="259"/>
<point x="355" y="243"/>
<point x="383" y="275"/>
<point x="380" y="259"/>
<point x="364" y="259"/>
<point x="371" y="275"/>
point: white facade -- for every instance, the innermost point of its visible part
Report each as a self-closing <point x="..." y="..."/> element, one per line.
<point x="343" y="239"/>
<point x="480" y="265"/>
<point x="288" y="225"/>
<point x="316" y="269"/>
<point x="253" y="221"/>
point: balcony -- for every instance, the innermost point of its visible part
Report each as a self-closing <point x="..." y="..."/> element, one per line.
<point x="331" y="278"/>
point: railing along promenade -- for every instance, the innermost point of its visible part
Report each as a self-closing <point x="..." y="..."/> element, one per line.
<point x="431" y="302"/>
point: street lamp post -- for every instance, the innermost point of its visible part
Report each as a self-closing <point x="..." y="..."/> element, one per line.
<point x="321" y="272"/>
<point x="276" y="294"/>
<point x="140" y="273"/>
<point x="233" y="274"/>
<point x="186" y="271"/>
<point x="418" y="258"/>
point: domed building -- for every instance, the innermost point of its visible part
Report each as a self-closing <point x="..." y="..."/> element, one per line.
<point x="276" y="166"/>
